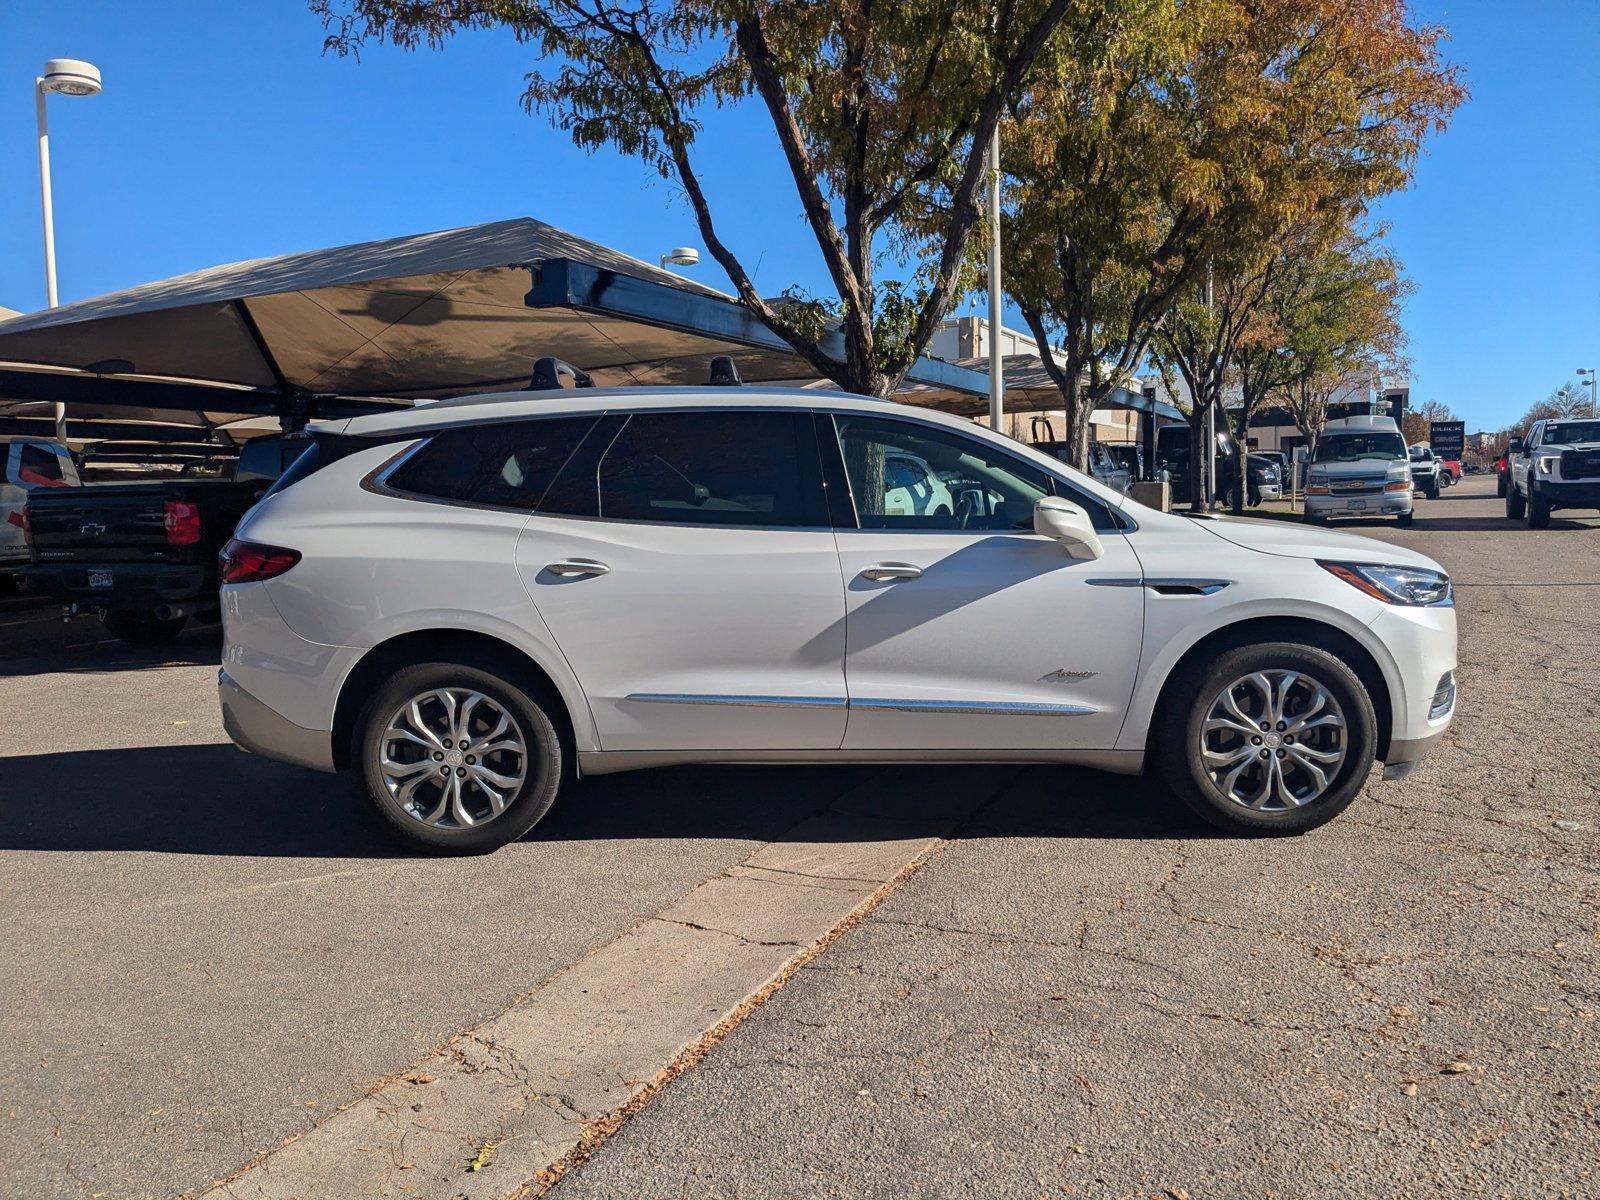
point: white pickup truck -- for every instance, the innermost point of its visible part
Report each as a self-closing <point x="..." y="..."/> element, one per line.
<point x="26" y="465"/>
<point x="1558" y="466"/>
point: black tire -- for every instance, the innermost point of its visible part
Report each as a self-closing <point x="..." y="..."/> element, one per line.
<point x="1432" y="490"/>
<point x="1254" y="499"/>
<point x="525" y="703"/>
<point x="1404" y="519"/>
<point x="1500" y="485"/>
<point x="143" y="628"/>
<point x="1185" y="709"/>
<point x="1314" y="519"/>
<point x="1538" y="512"/>
<point x="1516" y="503"/>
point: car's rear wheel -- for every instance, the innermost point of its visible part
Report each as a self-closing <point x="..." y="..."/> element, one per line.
<point x="1276" y="738"/>
<point x="1404" y="519"/>
<point x="143" y="628"/>
<point x="1516" y="506"/>
<point x="1500" y="485"/>
<point x="457" y="759"/>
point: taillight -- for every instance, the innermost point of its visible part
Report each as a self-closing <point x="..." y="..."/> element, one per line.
<point x="19" y="518"/>
<point x="183" y="523"/>
<point x="251" y="562"/>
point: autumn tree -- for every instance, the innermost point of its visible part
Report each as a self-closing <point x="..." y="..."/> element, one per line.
<point x="1332" y="99"/>
<point x="1568" y="400"/>
<point x="1331" y="305"/>
<point x="1113" y="186"/>
<point x="881" y="113"/>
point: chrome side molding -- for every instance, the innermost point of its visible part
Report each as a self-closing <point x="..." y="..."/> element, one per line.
<point x="741" y="701"/>
<point x="998" y="708"/>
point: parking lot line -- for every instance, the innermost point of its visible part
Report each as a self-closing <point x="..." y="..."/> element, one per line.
<point x="518" y="1100"/>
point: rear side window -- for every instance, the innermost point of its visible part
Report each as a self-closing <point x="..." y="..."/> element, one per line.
<point x="502" y="466"/>
<point x="699" y="468"/>
<point x="39" y="467"/>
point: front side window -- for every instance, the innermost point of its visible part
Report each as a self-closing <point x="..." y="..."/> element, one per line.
<point x="750" y="468"/>
<point x="906" y="475"/>
<point x="501" y="466"/>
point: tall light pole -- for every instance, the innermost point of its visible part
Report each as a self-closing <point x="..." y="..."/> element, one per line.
<point x="1594" y="388"/>
<point x="67" y="77"/>
<point x="997" y="381"/>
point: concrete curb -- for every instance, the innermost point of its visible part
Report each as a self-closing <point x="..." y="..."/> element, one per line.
<point x="508" y="1107"/>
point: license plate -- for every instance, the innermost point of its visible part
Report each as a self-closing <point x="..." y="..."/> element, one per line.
<point x="1358" y="505"/>
<point x="101" y="579"/>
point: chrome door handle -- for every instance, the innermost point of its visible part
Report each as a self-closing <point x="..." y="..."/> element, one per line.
<point x="577" y="568"/>
<point x="879" y="572"/>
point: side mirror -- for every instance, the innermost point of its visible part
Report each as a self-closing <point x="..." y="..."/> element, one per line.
<point x="1065" y="522"/>
<point x="1514" y="445"/>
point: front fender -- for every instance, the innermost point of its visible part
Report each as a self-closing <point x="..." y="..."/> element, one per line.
<point x="1172" y="631"/>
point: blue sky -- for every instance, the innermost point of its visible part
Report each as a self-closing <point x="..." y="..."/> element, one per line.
<point x="224" y="133"/>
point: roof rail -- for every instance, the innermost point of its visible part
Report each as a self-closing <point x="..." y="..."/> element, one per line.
<point x="547" y="373"/>
<point x="724" y="372"/>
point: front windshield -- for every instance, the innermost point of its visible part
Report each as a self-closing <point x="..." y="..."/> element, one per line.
<point x="1354" y="447"/>
<point x="1571" y="435"/>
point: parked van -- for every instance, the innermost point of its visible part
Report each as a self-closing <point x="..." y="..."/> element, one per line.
<point x="1360" y="469"/>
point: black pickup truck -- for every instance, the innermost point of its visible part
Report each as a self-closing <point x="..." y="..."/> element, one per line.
<point x="143" y="556"/>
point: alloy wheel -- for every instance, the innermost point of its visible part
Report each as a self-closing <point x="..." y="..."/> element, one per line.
<point x="453" y="758"/>
<point x="1273" y="740"/>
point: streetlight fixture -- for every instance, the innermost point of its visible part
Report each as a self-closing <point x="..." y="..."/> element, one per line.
<point x="65" y="77"/>
<point x="1594" y="388"/>
<point x="680" y="256"/>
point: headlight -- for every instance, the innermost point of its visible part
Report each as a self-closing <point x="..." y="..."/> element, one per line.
<point x="1546" y="464"/>
<point x="1411" y="586"/>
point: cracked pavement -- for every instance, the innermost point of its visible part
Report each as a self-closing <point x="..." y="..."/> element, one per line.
<point x="1087" y="993"/>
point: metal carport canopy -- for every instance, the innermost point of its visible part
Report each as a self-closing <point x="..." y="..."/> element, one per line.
<point x="429" y="315"/>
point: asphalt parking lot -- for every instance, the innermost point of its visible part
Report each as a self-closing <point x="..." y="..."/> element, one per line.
<point x="1080" y="992"/>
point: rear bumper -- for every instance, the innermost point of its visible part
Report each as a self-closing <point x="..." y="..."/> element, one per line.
<point x="1567" y="495"/>
<point x="255" y="727"/>
<point x="133" y="585"/>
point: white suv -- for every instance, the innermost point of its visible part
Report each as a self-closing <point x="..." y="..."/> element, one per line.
<point x="465" y="602"/>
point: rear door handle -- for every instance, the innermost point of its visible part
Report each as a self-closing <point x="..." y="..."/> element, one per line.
<point x="577" y="568"/>
<point x="881" y="572"/>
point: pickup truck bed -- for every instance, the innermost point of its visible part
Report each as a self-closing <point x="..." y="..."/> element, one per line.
<point x="143" y="556"/>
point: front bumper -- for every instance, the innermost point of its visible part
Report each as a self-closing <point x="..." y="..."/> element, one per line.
<point x="1567" y="495"/>
<point x="262" y="730"/>
<point x="1372" y="504"/>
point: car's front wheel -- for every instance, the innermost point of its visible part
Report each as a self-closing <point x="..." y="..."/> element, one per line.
<point x="1516" y="505"/>
<point x="1538" y="511"/>
<point x="1275" y="738"/>
<point x="457" y="759"/>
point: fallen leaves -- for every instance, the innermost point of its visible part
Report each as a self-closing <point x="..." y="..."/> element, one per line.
<point x="1457" y="1067"/>
<point x="419" y="1077"/>
<point x="1409" y="1087"/>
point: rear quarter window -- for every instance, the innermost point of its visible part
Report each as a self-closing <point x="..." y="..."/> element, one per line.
<point x="501" y="466"/>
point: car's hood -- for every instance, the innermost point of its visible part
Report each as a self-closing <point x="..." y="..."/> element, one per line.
<point x="1292" y="539"/>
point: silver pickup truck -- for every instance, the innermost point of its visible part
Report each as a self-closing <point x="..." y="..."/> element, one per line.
<point x="1558" y="466"/>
